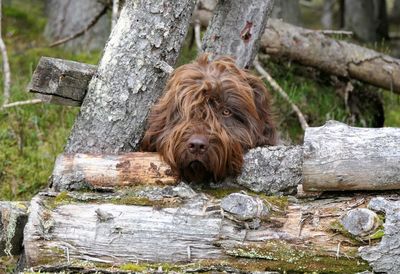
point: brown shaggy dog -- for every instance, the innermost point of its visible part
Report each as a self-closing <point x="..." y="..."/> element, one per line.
<point x="209" y="115"/>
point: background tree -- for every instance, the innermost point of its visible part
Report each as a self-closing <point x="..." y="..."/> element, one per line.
<point x="68" y="17"/>
<point x="288" y="10"/>
<point x="367" y="19"/>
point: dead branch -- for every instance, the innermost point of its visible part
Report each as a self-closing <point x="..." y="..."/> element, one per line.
<point x="22" y="103"/>
<point x="282" y="93"/>
<point x="6" y="65"/>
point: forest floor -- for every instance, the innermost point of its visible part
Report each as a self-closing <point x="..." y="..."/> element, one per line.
<point x="32" y="136"/>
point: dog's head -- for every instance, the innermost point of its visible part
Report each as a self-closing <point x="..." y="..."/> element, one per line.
<point x="209" y="115"/>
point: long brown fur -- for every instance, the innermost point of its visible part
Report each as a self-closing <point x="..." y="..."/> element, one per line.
<point x="227" y="106"/>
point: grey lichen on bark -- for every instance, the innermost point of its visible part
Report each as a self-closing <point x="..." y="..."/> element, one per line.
<point x="272" y="170"/>
<point x="131" y="75"/>
<point x="384" y="257"/>
<point x="236" y="29"/>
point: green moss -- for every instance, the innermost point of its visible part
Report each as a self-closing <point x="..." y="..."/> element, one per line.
<point x="133" y="267"/>
<point x="280" y="203"/>
<point x="132" y="200"/>
<point x="278" y="255"/>
<point x="220" y="193"/>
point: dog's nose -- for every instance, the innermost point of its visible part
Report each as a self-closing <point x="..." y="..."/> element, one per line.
<point x="198" y="144"/>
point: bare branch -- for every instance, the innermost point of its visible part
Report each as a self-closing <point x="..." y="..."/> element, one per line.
<point x="115" y="13"/>
<point x="281" y="92"/>
<point x="197" y="34"/>
<point x="335" y="32"/>
<point x="6" y="65"/>
<point x="81" y="32"/>
<point x="21" y="103"/>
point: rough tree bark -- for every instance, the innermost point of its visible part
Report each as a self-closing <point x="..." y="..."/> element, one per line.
<point x="139" y="55"/>
<point x="236" y="29"/>
<point x="367" y="19"/>
<point x="68" y="17"/>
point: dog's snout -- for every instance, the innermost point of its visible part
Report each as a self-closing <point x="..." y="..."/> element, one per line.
<point x="197" y="144"/>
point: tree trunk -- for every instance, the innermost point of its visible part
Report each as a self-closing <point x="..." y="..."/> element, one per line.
<point x="288" y="11"/>
<point x="367" y="19"/>
<point x="68" y="17"/>
<point x="137" y="60"/>
<point x="327" y="14"/>
<point x="67" y="231"/>
<point x="236" y="29"/>
<point x="395" y="13"/>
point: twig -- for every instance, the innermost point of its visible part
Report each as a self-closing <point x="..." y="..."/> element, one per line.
<point x="197" y="34"/>
<point x="282" y="93"/>
<point x="115" y="13"/>
<point x="6" y="64"/>
<point x="335" y="32"/>
<point x="81" y="32"/>
<point x="21" y="103"/>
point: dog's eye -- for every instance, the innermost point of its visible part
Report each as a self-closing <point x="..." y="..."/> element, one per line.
<point x="226" y="112"/>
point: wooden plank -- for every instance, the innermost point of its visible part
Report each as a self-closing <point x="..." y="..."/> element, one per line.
<point x="61" y="81"/>
<point x="339" y="157"/>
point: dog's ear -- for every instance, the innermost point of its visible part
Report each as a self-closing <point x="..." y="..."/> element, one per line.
<point x="262" y="101"/>
<point x="159" y="119"/>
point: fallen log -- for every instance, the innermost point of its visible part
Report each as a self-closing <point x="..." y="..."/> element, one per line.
<point x="83" y="231"/>
<point x="340" y="58"/>
<point x="80" y="171"/>
<point x="339" y="157"/>
<point x="334" y="157"/>
<point x="13" y="217"/>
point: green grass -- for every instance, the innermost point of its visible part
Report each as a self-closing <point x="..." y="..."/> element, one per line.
<point x="32" y="136"/>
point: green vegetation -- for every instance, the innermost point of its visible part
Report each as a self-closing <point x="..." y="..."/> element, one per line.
<point x="32" y="136"/>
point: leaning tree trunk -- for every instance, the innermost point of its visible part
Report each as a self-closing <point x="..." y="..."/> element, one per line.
<point x="143" y="47"/>
<point x="236" y="29"/>
<point x="68" y="17"/>
<point x="367" y="19"/>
